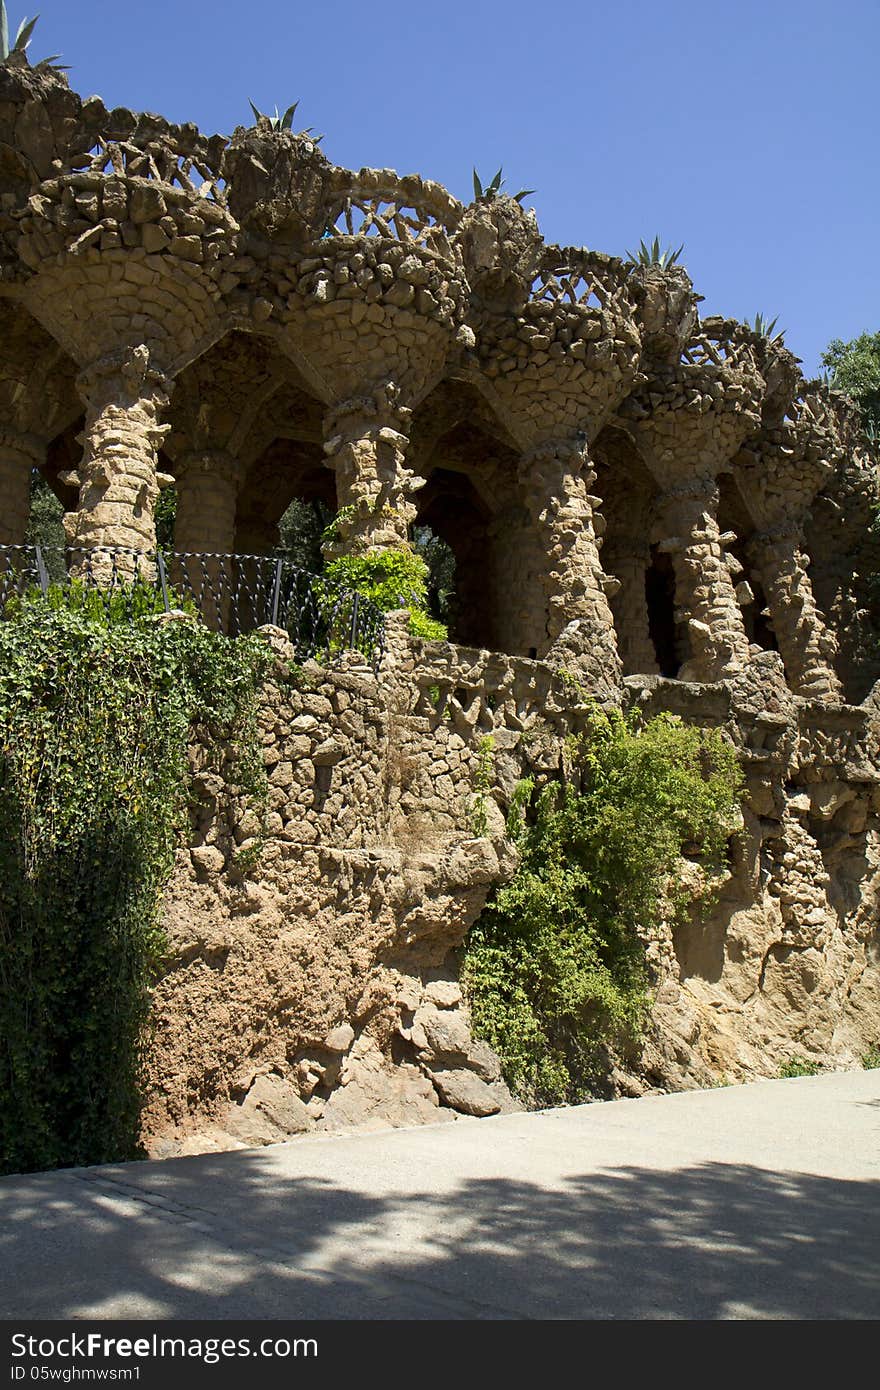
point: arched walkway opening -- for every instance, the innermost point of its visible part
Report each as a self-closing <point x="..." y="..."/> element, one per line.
<point x="734" y="519"/>
<point x="455" y="526"/>
<point x="472" y="525"/>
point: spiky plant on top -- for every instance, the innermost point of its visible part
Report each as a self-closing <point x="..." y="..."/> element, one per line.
<point x="764" y="327"/>
<point x="283" y="121"/>
<point x="494" y="187"/>
<point x="22" y="40"/>
<point x="651" y="253"/>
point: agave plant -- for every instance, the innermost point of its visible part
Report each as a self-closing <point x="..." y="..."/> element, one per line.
<point x="764" y="328"/>
<point x="651" y="253"/>
<point x="493" y="188"/>
<point x="283" y="121"/>
<point x="22" y="38"/>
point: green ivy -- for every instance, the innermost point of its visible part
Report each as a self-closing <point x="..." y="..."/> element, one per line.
<point x="392" y="578"/>
<point x="97" y="709"/>
<point x="555" y="967"/>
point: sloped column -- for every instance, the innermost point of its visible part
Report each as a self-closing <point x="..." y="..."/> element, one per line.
<point x="124" y="399"/>
<point x="19" y="455"/>
<point x="366" y="443"/>
<point x="629" y="563"/>
<point x="704" y="589"/>
<point x="556" y="478"/>
<point x="207" y="496"/>
<point x="806" y="645"/>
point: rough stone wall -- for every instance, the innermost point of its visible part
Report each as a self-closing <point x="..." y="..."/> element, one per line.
<point x="315" y="986"/>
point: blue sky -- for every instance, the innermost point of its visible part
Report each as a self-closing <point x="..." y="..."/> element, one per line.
<point x="747" y="130"/>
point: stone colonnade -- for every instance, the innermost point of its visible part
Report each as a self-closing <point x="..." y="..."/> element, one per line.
<point x="365" y="445"/>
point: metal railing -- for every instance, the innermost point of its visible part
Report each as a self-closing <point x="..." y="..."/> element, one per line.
<point x="233" y="594"/>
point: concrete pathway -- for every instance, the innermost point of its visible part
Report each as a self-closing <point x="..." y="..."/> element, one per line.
<point x="758" y="1201"/>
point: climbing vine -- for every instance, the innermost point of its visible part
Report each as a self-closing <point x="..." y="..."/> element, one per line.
<point x="555" y="967"/>
<point x="98" y="704"/>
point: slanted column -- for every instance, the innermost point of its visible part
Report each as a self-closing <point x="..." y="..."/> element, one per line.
<point x="806" y="645"/>
<point x="19" y="455"/>
<point x="207" y="496"/>
<point x="629" y="563"/>
<point x="365" y="442"/>
<point x="688" y="530"/>
<point x="124" y="399"/>
<point x="204" y="530"/>
<point x="579" y="626"/>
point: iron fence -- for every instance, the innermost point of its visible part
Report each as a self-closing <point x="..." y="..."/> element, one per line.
<point x="233" y="594"/>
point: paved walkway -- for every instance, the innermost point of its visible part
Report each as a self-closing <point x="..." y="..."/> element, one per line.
<point x="748" y="1201"/>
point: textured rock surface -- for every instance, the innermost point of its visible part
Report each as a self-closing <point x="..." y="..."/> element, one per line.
<point x="324" y="980"/>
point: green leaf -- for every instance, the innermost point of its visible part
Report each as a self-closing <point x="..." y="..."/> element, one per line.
<point x="4" y="31"/>
<point x="258" y="115"/>
<point x="496" y="182"/>
<point x="287" y="118"/>
<point x="23" y="37"/>
<point x="478" y="187"/>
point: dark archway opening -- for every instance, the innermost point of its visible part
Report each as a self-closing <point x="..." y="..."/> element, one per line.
<point x="662" y="626"/>
<point x="452" y="527"/>
<point x="733" y="517"/>
<point x="286" y="502"/>
<point x="440" y="559"/>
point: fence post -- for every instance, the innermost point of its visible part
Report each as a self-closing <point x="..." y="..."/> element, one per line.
<point x="355" y="606"/>
<point x="276" y="591"/>
<point x="42" y="573"/>
<point x="160" y="563"/>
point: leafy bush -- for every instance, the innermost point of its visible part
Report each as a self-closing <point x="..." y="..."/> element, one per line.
<point x="393" y="578"/>
<point x="555" y="967"/>
<point x="871" y="1058"/>
<point x="96" y="712"/>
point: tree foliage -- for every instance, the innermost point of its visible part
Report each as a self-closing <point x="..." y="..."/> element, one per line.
<point x="555" y="967"/>
<point x="95" y="719"/>
<point x="855" y="370"/>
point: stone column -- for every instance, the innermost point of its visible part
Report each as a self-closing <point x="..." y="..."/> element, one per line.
<point x="207" y="496"/>
<point x="629" y="563"/>
<point x="704" y="589"/>
<point x="806" y="645"/>
<point x="124" y="398"/>
<point x="580" y="632"/>
<point x="19" y="455"/>
<point x="366" y="443"/>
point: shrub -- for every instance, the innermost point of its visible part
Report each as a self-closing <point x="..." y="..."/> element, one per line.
<point x="393" y="578"/>
<point x="96" y="711"/>
<point x="555" y="967"/>
<point x="797" y="1066"/>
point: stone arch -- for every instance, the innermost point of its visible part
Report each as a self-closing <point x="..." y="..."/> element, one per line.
<point x="39" y="405"/>
<point x="738" y="529"/>
<point x="471" y="500"/>
<point x="289" y="470"/>
<point x="649" y="635"/>
<point x="230" y="408"/>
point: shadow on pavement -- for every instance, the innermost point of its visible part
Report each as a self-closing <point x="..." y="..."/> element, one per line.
<point x="230" y="1236"/>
